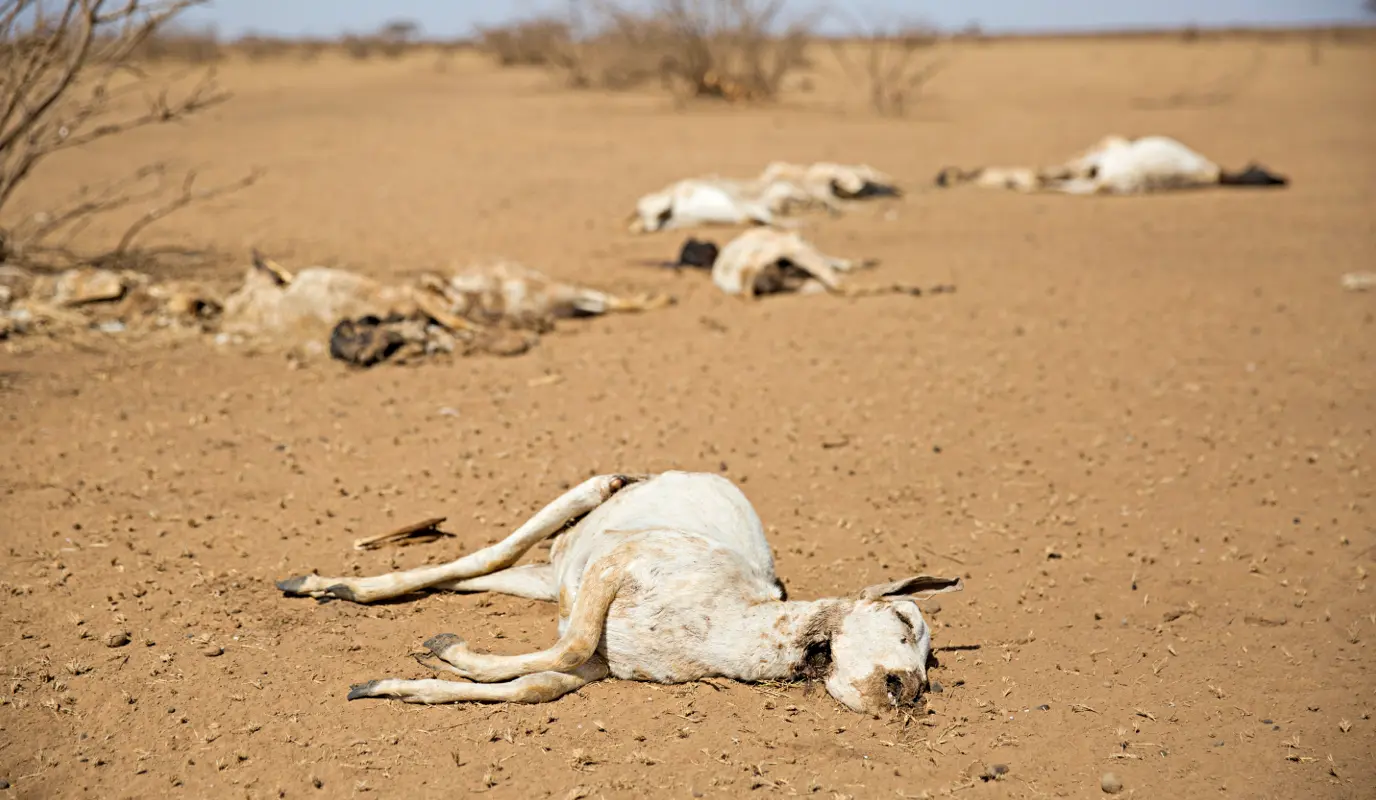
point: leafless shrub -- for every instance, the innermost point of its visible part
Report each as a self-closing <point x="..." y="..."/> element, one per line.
<point x="892" y="65"/>
<point x="736" y="50"/>
<point x="392" y="40"/>
<point x="536" y="42"/>
<point x="730" y="49"/>
<point x="256" y="47"/>
<point x="175" y="43"/>
<point x="67" y="79"/>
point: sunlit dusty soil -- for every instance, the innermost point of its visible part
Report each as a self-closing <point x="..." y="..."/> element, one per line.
<point x="1141" y="428"/>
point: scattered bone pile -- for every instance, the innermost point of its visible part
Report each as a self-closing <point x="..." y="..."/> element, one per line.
<point x="103" y="300"/>
<point x="500" y="308"/>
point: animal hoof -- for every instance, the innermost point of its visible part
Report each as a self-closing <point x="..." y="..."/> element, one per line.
<point x="294" y="586"/>
<point x="361" y="690"/>
<point x="438" y="644"/>
<point x="342" y="592"/>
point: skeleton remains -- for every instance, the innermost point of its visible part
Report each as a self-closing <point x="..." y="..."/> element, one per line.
<point x="499" y="308"/>
<point x="1117" y="165"/>
<point x="665" y="578"/>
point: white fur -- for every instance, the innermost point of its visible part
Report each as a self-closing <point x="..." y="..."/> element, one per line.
<point x="823" y="179"/>
<point x="665" y="578"/>
<point x="715" y="201"/>
<point x="780" y="189"/>
<point x="1115" y="165"/>
<point x="754" y="257"/>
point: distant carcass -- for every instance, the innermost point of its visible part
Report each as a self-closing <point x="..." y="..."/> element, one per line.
<point x="1120" y="166"/>
<point x="781" y="189"/>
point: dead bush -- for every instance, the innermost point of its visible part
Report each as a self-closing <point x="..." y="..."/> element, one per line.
<point x="256" y="47"/>
<point x="194" y="46"/>
<point x="734" y="50"/>
<point x="66" y="80"/>
<point x="392" y="40"/>
<point x="894" y="67"/>
<point x="538" y="42"/>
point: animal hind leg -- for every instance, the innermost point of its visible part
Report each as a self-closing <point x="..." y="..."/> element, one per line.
<point x="586" y="622"/>
<point x="533" y="582"/>
<point x="576" y="502"/>
<point x="539" y="687"/>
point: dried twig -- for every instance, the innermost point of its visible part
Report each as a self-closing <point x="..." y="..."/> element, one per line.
<point x="423" y="531"/>
<point x="184" y="198"/>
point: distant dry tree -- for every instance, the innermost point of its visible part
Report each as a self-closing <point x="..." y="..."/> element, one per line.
<point x="893" y="65"/>
<point x="69" y="77"/>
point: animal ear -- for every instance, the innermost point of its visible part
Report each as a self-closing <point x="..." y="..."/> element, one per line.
<point x="915" y="584"/>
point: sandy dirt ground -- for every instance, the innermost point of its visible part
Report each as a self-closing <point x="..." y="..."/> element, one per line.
<point x="1142" y="429"/>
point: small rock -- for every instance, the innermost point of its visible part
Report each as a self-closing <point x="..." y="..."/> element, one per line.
<point x="932" y="607"/>
<point x="936" y="688"/>
<point x="1110" y="783"/>
<point x="4" y="784"/>
<point x="1266" y="722"/>
<point x="212" y="650"/>
<point x="81" y="286"/>
<point x="116" y="638"/>
<point x="316" y="782"/>
<point x="1043" y="707"/>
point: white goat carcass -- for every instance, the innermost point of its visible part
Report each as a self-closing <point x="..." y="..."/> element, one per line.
<point x="765" y="261"/>
<point x="665" y="578"/>
<point x="828" y="182"/>
<point x="781" y="189"/>
<point x="717" y="201"/>
<point x="1117" y="165"/>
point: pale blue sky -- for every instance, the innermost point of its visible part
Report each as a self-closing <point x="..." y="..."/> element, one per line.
<point x="457" y="18"/>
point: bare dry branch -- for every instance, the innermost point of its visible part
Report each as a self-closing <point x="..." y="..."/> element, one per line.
<point x="736" y="50"/>
<point x="184" y="198"/>
<point x="67" y="79"/>
<point x="888" y="64"/>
